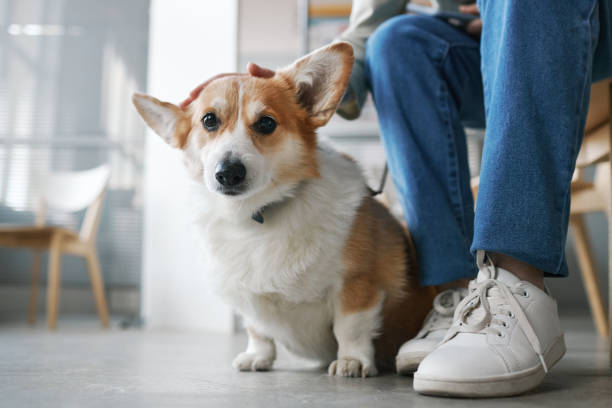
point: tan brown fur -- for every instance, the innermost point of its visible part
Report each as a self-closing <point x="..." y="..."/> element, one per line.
<point x="228" y="88"/>
<point x="254" y="334"/>
<point x="298" y="106"/>
<point x="181" y="133"/>
<point x="181" y="130"/>
<point x="380" y="257"/>
<point x="278" y="98"/>
<point x="345" y="64"/>
<point x="348" y="157"/>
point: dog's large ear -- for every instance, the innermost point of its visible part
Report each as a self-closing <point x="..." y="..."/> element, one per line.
<point x="320" y="79"/>
<point x="166" y="119"/>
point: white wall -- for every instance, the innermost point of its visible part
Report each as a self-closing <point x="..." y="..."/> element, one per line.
<point x="190" y="41"/>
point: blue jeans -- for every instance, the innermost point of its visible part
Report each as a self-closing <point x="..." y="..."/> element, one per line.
<point x="529" y="80"/>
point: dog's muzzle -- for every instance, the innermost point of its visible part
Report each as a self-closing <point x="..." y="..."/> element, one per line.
<point x="230" y="174"/>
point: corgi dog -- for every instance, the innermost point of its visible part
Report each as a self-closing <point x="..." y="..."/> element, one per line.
<point x="293" y="239"/>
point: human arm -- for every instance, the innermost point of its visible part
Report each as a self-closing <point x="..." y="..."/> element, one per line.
<point x="366" y="16"/>
<point x="474" y="27"/>
<point x="252" y="69"/>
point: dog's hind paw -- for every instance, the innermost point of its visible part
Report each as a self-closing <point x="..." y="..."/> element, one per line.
<point x="253" y="362"/>
<point x="352" y="367"/>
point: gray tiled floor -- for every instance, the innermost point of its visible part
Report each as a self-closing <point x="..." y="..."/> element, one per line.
<point x="81" y="365"/>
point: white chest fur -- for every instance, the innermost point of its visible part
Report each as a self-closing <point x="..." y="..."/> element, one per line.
<point x="283" y="275"/>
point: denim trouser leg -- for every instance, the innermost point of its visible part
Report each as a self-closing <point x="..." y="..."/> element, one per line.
<point x="425" y="79"/>
<point x="537" y="58"/>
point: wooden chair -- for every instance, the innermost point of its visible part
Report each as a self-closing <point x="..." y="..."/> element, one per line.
<point x="592" y="196"/>
<point x="69" y="191"/>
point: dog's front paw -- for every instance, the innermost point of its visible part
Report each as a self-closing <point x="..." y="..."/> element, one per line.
<point x="253" y="362"/>
<point x="352" y="367"/>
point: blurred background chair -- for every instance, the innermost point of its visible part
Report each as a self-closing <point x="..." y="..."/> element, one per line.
<point x="594" y="196"/>
<point x="70" y="192"/>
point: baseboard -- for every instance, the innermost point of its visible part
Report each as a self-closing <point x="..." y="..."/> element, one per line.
<point x="73" y="300"/>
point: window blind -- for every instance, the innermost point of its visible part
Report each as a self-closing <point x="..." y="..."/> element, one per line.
<point x="67" y="71"/>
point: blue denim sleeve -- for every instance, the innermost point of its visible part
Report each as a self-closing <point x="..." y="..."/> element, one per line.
<point x="602" y="61"/>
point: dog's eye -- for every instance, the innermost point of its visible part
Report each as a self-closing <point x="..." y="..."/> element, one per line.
<point x="210" y="122"/>
<point x="265" y="125"/>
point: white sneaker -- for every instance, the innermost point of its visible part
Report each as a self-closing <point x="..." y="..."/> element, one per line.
<point x="436" y="324"/>
<point x="505" y="337"/>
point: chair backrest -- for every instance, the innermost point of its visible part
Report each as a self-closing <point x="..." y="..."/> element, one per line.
<point x="599" y="106"/>
<point x="596" y="143"/>
<point x="74" y="191"/>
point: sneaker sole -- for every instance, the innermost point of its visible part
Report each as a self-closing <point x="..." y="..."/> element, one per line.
<point x="501" y="386"/>
<point x="407" y="363"/>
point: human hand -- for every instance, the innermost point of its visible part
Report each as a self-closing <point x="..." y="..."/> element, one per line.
<point x="474" y="27"/>
<point x="252" y="69"/>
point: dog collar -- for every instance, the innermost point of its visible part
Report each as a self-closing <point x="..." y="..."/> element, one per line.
<point x="258" y="216"/>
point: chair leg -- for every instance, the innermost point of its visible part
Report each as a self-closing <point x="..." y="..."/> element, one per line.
<point x="34" y="287"/>
<point x="589" y="274"/>
<point x="609" y="214"/>
<point x="610" y="296"/>
<point x="53" y="284"/>
<point x="97" y="285"/>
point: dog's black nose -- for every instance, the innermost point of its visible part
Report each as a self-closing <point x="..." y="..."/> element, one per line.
<point x="230" y="173"/>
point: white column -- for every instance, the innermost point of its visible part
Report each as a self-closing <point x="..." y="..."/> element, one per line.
<point x="190" y="41"/>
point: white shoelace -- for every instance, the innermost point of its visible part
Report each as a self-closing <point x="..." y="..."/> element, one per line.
<point x="465" y="321"/>
<point x="441" y="314"/>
